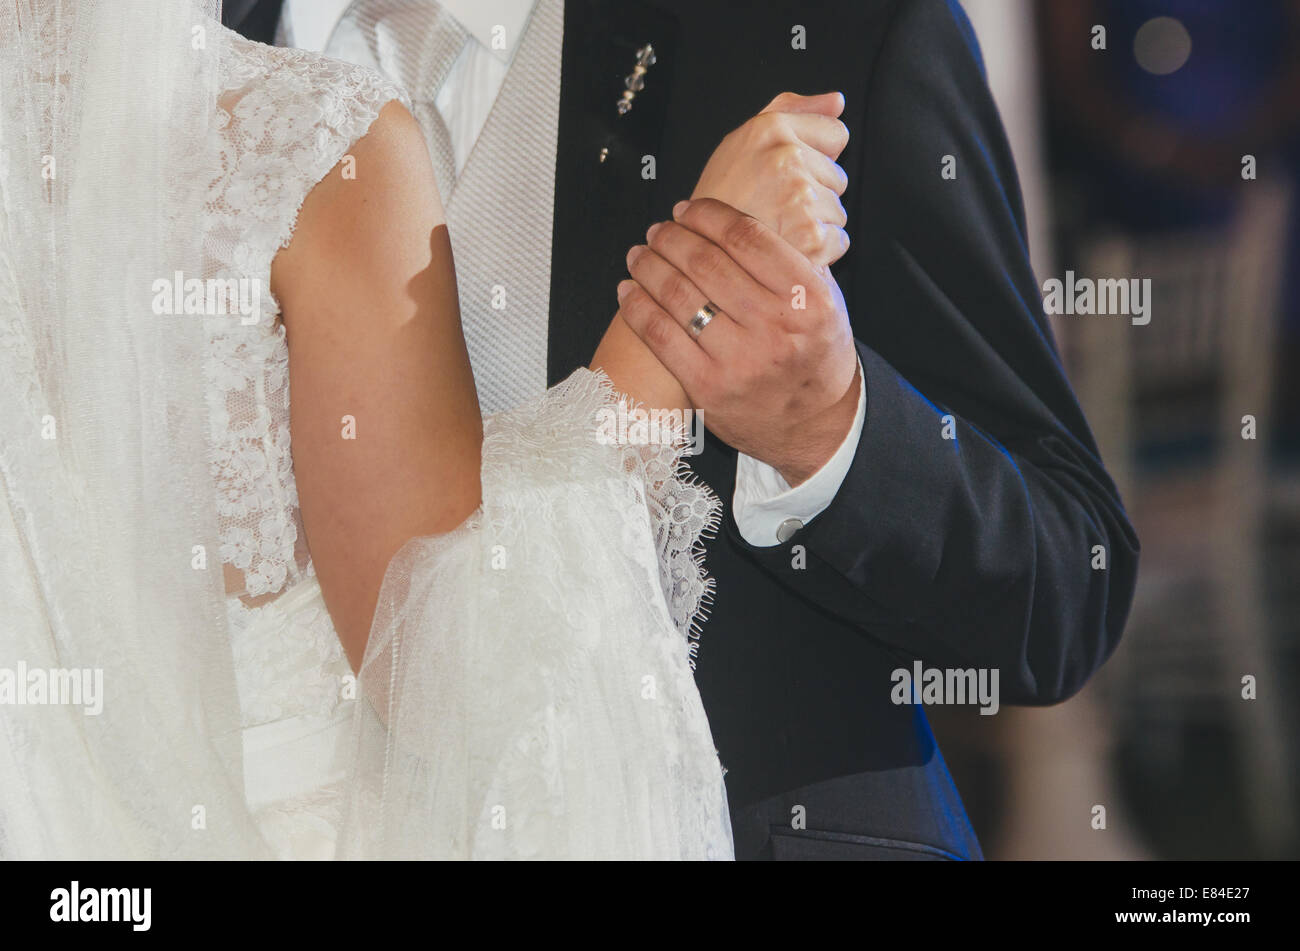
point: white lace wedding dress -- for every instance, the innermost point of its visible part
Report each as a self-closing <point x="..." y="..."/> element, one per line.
<point x="527" y="691"/>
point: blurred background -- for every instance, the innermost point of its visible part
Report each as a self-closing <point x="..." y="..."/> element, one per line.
<point x="1172" y="154"/>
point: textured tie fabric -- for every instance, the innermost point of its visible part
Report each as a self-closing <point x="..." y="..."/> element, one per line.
<point x="415" y="42"/>
<point x="501" y="207"/>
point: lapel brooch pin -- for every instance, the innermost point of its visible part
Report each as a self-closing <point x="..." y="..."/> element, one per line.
<point x="645" y="58"/>
<point x="634" y="83"/>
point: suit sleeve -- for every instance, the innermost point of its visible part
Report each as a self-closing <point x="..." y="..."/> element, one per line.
<point x="965" y="533"/>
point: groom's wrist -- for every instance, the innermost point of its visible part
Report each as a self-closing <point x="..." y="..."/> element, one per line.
<point x="815" y="442"/>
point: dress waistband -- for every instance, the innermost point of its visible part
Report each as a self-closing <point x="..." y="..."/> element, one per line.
<point x="295" y="755"/>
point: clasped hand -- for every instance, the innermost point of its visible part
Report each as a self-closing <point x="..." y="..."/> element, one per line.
<point x="775" y="371"/>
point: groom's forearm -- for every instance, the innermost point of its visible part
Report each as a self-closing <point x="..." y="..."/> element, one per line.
<point x="977" y="525"/>
<point x="967" y="552"/>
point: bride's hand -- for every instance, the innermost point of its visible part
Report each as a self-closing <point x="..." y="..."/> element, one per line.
<point x="780" y="168"/>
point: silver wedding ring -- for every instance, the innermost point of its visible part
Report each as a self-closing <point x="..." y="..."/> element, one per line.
<point x="703" y="317"/>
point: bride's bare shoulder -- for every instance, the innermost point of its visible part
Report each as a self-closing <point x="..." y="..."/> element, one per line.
<point x="296" y="126"/>
<point x="370" y="216"/>
<point x="332" y="146"/>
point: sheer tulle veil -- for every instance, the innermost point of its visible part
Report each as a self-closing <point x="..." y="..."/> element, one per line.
<point x="542" y="706"/>
<point x="119" y="726"/>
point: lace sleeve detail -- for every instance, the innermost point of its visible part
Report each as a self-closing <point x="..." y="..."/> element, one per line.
<point x="683" y="511"/>
<point x="290" y="116"/>
<point x="526" y="691"/>
<point x="285" y="118"/>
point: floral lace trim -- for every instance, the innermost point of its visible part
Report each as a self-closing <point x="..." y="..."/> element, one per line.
<point x="288" y="660"/>
<point x="683" y="511"/>
<point x="510" y="659"/>
<point x="286" y="118"/>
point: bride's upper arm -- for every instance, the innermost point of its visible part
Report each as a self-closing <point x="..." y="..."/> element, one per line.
<point x="386" y="430"/>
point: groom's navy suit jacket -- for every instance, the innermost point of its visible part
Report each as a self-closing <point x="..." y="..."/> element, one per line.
<point x="973" y="552"/>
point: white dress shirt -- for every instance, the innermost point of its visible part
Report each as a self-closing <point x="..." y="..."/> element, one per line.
<point x="767" y="509"/>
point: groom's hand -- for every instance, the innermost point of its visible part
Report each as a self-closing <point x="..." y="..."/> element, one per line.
<point x="775" y="372"/>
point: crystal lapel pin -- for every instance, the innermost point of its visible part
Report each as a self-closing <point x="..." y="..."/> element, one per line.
<point x="635" y="82"/>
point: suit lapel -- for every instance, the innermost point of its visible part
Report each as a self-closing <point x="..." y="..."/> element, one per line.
<point x="602" y="208"/>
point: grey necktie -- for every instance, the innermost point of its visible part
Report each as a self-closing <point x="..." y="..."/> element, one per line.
<point x="500" y="208"/>
<point x="416" y="43"/>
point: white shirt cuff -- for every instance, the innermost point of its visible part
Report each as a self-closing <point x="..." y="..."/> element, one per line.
<point x="768" y="511"/>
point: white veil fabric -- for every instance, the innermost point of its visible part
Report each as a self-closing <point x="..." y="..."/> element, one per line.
<point x="537" y="706"/>
<point x="527" y="689"/>
<point x="119" y="720"/>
